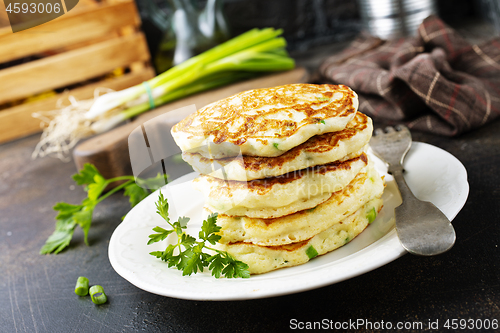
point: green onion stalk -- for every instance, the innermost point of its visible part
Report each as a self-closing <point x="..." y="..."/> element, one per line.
<point x="245" y="56"/>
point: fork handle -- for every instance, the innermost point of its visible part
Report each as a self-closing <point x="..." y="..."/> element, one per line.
<point x="406" y="193"/>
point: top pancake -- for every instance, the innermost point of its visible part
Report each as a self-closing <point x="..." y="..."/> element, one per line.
<point x="266" y="122"/>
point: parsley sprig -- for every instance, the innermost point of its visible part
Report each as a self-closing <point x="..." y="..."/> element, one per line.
<point x="70" y="216"/>
<point x="187" y="253"/>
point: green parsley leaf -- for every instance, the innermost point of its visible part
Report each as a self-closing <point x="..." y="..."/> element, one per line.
<point x="194" y="259"/>
<point x="84" y="219"/>
<point x="66" y="210"/>
<point x="135" y="193"/>
<point x="157" y="254"/>
<point x="191" y="257"/>
<point x="69" y="216"/>
<point x="187" y="240"/>
<point x="169" y="257"/>
<point x="153" y="183"/>
<point x="217" y="263"/>
<point x="235" y="268"/>
<point x="209" y="229"/>
<point x="65" y="227"/>
<point x="86" y="175"/>
<point x="182" y="222"/>
<point x="160" y="235"/>
<point x="162" y="207"/>
<point x="57" y="242"/>
<point x="61" y="237"/>
<point x="95" y="189"/>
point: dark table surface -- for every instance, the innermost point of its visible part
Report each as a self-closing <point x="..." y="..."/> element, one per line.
<point x="36" y="291"/>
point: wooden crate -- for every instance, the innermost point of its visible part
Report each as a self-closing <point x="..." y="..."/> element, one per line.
<point x="77" y="50"/>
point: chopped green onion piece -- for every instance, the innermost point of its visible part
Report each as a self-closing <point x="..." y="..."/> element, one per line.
<point x="322" y="121"/>
<point x="97" y="294"/>
<point x="311" y="252"/>
<point x="275" y="145"/>
<point x="372" y="214"/>
<point x="82" y="286"/>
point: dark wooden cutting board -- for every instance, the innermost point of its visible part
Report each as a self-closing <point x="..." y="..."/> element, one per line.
<point x="109" y="151"/>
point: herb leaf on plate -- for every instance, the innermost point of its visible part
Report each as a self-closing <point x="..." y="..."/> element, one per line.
<point x="187" y="253"/>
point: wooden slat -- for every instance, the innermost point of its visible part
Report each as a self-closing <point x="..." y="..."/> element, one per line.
<point x="75" y="27"/>
<point x="17" y="121"/>
<point x="88" y="3"/>
<point x="71" y="67"/>
<point x="4" y="19"/>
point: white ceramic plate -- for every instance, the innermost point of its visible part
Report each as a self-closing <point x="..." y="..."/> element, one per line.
<point x="432" y="174"/>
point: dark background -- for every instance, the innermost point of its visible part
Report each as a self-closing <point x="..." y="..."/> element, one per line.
<point x="309" y="24"/>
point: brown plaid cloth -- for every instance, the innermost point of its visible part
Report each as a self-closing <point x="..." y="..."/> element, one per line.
<point x="434" y="82"/>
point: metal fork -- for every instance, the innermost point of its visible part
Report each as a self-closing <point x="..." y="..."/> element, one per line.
<point x="421" y="227"/>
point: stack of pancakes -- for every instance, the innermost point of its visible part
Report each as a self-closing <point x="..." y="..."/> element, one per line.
<point x="285" y="169"/>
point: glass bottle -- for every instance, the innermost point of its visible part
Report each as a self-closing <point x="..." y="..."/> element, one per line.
<point x="190" y="31"/>
<point x="213" y="23"/>
<point x="190" y="41"/>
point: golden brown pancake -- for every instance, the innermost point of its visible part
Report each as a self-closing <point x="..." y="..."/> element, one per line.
<point x="320" y="149"/>
<point x="303" y="224"/>
<point x="281" y="195"/>
<point x="266" y="122"/>
<point x="262" y="259"/>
